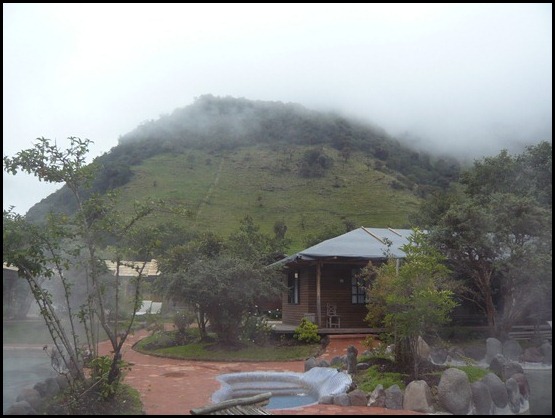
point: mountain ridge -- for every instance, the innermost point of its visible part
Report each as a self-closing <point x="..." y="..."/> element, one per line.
<point x="270" y="160"/>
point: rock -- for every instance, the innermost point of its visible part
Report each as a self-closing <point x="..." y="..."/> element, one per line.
<point x="456" y="353"/>
<point x="52" y="387"/>
<point x="363" y="366"/>
<point x="30" y="395"/>
<point x="323" y="363"/>
<point x="493" y="347"/>
<point x="358" y="398"/>
<point x="547" y="351"/>
<point x="394" y="397"/>
<point x="497" y="364"/>
<point x="512" y="350"/>
<point x="377" y="397"/>
<point x="423" y="349"/>
<point x="475" y="352"/>
<point x="20" y="408"/>
<point x="339" y="361"/>
<point x="454" y="391"/>
<point x="342" y="400"/>
<point x="509" y="369"/>
<point x="523" y="385"/>
<point x="481" y="398"/>
<point x="40" y="387"/>
<point x="438" y="355"/>
<point x="326" y="400"/>
<point x="309" y="364"/>
<point x="513" y="394"/>
<point x="418" y="397"/>
<point x="352" y="353"/>
<point x="532" y="355"/>
<point x="497" y="390"/>
<point x="63" y="382"/>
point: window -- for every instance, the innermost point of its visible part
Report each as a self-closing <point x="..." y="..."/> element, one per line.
<point x="358" y="289"/>
<point x="293" y="286"/>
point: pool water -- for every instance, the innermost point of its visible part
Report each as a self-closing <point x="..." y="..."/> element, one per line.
<point x="23" y="367"/>
<point x="290" y="401"/>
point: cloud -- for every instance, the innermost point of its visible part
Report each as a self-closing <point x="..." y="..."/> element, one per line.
<point x="465" y="78"/>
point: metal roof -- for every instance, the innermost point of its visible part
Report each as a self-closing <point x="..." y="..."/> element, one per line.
<point x="362" y="243"/>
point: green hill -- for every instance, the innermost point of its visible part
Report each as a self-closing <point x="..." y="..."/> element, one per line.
<point x="225" y="158"/>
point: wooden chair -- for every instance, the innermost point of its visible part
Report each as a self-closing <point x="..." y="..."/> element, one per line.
<point x="333" y="320"/>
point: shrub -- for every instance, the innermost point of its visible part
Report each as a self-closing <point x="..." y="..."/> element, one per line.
<point x="256" y="329"/>
<point x="307" y="332"/>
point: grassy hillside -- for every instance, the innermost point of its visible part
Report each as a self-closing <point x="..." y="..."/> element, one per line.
<point x="225" y="158"/>
<point x="220" y="189"/>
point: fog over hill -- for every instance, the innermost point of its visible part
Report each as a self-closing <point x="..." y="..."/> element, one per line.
<point x="463" y="79"/>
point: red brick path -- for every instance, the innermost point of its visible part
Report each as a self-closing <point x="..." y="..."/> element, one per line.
<point x="174" y="387"/>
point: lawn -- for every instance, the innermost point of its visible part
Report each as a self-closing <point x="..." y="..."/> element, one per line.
<point x="274" y="350"/>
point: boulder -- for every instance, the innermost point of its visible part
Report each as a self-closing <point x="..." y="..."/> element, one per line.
<point x="493" y="347"/>
<point x="512" y="350"/>
<point x="509" y="369"/>
<point x="394" y="397"/>
<point x="481" y="398"/>
<point x="497" y="390"/>
<point x="454" y="391"/>
<point x="358" y="398"/>
<point x="377" y="397"/>
<point x="513" y="394"/>
<point x="342" y="400"/>
<point x="418" y="397"/>
<point x="523" y="385"/>
<point x="20" y="408"/>
<point x="310" y="363"/>
<point x="30" y="395"/>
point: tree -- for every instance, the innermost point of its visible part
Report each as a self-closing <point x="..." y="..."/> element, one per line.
<point x="412" y="299"/>
<point x="496" y="231"/>
<point x="63" y="243"/>
<point x="222" y="280"/>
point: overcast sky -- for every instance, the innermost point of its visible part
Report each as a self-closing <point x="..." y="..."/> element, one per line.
<point x="464" y="78"/>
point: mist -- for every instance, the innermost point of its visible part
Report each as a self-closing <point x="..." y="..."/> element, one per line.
<point x="463" y="79"/>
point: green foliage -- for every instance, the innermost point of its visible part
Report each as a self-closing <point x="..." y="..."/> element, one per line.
<point x="496" y="231"/>
<point x="183" y="320"/>
<point x="256" y="329"/>
<point x="223" y="288"/>
<point x="372" y="377"/>
<point x="376" y="349"/>
<point x="60" y="246"/>
<point x="101" y="367"/>
<point x="315" y="163"/>
<point x="307" y="332"/>
<point x="474" y="373"/>
<point x="412" y="299"/>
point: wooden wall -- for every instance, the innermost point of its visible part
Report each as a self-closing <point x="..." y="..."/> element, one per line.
<point x="332" y="290"/>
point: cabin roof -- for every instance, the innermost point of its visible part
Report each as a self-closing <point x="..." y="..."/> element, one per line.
<point x="362" y="243"/>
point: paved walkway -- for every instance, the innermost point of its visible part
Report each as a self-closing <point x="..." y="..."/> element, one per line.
<point x="174" y="387"/>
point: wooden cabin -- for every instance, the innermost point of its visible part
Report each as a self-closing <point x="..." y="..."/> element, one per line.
<point x="321" y="279"/>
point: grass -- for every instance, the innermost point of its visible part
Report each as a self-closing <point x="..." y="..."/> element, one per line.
<point x="474" y="373"/>
<point x="220" y="189"/>
<point x="211" y="351"/>
<point x="370" y="378"/>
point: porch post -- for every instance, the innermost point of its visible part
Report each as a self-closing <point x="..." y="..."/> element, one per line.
<point x="318" y="302"/>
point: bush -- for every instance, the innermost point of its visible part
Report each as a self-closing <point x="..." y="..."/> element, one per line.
<point x="183" y="320"/>
<point x="307" y="332"/>
<point x="256" y="329"/>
